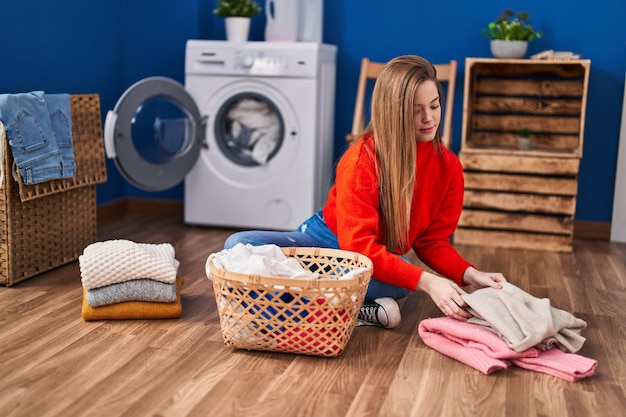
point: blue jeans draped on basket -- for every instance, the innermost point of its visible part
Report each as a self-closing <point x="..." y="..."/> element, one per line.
<point x="39" y="130"/>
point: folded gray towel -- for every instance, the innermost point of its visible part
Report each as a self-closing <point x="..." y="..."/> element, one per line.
<point x="524" y="321"/>
<point x="132" y="290"/>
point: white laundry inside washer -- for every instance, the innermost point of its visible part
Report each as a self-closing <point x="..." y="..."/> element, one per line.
<point x="251" y="132"/>
<point x="254" y="129"/>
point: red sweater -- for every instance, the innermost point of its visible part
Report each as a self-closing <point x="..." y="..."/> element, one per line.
<point x="351" y="212"/>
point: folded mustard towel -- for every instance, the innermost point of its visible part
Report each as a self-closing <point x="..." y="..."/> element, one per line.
<point x="135" y="310"/>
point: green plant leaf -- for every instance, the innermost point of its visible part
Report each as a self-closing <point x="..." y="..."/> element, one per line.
<point x="237" y="8"/>
<point x="511" y="27"/>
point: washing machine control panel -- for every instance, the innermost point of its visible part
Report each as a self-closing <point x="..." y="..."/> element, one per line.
<point x="255" y="58"/>
<point x="247" y="60"/>
<point x="261" y="64"/>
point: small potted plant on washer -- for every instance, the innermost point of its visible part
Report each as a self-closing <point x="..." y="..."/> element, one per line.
<point x="523" y="138"/>
<point x="237" y="14"/>
<point x="510" y="34"/>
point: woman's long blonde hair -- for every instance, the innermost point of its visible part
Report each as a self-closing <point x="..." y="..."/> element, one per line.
<point x="393" y="127"/>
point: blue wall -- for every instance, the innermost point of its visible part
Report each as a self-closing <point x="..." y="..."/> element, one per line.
<point x="104" y="47"/>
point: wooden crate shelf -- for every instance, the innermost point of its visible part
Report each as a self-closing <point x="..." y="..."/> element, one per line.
<point x="521" y="198"/>
<point x="501" y="96"/>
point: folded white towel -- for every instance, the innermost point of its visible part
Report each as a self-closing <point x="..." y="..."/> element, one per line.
<point x="113" y="261"/>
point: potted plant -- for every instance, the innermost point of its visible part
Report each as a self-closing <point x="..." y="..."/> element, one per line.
<point x="523" y="138"/>
<point x="237" y="14"/>
<point x="510" y="34"/>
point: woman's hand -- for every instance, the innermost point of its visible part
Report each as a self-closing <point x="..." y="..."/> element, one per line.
<point x="445" y="293"/>
<point x="479" y="279"/>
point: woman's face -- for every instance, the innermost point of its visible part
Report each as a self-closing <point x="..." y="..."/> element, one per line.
<point x="427" y="111"/>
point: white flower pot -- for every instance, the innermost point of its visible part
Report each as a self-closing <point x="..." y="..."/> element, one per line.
<point x="237" y="29"/>
<point x="508" y="49"/>
<point x="523" y="143"/>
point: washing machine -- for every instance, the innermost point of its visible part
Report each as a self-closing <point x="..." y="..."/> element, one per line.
<point x="250" y="133"/>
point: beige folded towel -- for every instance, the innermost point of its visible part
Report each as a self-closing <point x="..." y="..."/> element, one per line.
<point x="524" y="321"/>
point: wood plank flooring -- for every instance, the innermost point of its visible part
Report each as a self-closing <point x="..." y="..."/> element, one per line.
<point x="52" y="363"/>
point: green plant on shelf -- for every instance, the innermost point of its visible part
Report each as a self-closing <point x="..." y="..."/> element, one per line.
<point x="510" y="26"/>
<point x="237" y="8"/>
<point x="524" y="132"/>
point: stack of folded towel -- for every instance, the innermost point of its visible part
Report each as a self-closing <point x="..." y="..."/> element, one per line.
<point x="510" y="326"/>
<point x="127" y="280"/>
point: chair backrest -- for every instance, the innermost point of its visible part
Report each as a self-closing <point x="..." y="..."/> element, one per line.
<point x="446" y="75"/>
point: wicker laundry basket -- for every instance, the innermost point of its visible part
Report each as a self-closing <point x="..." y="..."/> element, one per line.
<point x="295" y="315"/>
<point x="43" y="226"/>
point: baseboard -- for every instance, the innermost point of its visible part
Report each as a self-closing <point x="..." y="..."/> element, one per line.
<point x="108" y="211"/>
<point x="583" y="229"/>
<point x="161" y="207"/>
<point x="117" y="208"/>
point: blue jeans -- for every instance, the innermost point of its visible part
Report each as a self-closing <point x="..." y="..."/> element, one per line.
<point x="32" y="135"/>
<point x="312" y="233"/>
<point x="61" y="123"/>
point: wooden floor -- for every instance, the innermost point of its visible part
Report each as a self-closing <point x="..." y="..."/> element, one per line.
<point x="52" y="363"/>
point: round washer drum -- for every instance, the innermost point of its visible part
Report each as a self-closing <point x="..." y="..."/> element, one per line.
<point x="233" y="166"/>
<point x="269" y="132"/>
<point x="154" y="133"/>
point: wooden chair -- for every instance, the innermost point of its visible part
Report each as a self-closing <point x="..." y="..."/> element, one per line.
<point x="446" y="74"/>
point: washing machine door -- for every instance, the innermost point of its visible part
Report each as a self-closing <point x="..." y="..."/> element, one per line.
<point x="154" y="134"/>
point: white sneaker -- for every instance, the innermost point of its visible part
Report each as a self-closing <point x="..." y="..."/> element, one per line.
<point x="382" y="312"/>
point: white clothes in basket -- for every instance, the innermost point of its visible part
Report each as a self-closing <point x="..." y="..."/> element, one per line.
<point x="266" y="260"/>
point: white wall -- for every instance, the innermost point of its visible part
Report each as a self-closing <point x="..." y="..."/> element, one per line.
<point x="618" y="223"/>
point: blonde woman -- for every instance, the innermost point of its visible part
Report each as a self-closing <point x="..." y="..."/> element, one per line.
<point x="397" y="188"/>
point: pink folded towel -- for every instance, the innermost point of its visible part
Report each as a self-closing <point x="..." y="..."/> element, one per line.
<point x="483" y="350"/>
<point x="468" y="343"/>
<point x="568" y="366"/>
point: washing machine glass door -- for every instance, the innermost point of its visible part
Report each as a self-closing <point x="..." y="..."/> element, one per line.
<point x="154" y="134"/>
<point x="249" y="129"/>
